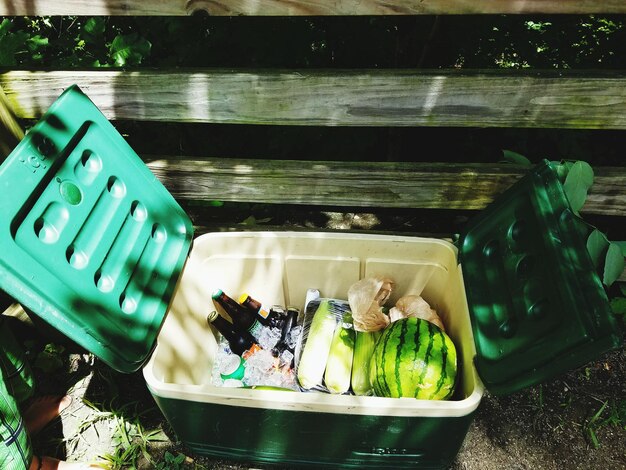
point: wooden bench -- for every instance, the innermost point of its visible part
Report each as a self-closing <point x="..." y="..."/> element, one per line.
<point x="446" y="192"/>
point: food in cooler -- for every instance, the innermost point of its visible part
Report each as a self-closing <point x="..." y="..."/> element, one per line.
<point x="317" y="346"/>
<point x="414" y="358"/>
<point x="339" y="363"/>
<point x="363" y="350"/>
<point x="324" y="352"/>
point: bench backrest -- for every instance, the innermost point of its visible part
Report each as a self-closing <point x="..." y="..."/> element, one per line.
<point x="376" y="98"/>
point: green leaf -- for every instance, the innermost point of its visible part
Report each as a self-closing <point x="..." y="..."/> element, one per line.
<point x="10" y="44"/>
<point x="618" y="305"/>
<point x="562" y="169"/>
<point x="5" y="27"/>
<point x="613" y="265"/>
<point x="514" y="157"/>
<point x="48" y="362"/>
<point x="129" y="49"/>
<point x="36" y="42"/>
<point x="596" y="246"/>
<point x="577" y="182"/>
<point x="622" y="245"/>
<point x="93" y="29"/>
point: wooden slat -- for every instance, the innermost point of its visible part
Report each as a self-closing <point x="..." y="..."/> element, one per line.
<point x="363" y="184"/>
<point x="306" y="7"/>
<point x="337" y="98"/>
<point x="10" y="130"/>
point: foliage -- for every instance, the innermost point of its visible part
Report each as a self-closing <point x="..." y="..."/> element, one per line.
<point x="130" y="438"/>
<point x="171" y="462"/>
<point x="491" y="41"/>
<point x="577" y="183"/>
<point x="607" y="256"/>
<point x="50" y="359"/>
<point x="70" y="42"/>
<point x="513" y="157"/>
<point x="129" y="49"/>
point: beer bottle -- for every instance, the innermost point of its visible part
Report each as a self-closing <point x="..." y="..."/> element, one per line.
<point x="243" y="318"/>
<point x="239" y="342"/>
<point x="264" y="314"/>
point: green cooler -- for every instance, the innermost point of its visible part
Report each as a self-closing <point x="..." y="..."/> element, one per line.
<point x="97" y="247"/>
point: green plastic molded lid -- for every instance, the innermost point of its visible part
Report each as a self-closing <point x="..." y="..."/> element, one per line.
<point x="537" y="305"/>
<point x="91" y="240"/>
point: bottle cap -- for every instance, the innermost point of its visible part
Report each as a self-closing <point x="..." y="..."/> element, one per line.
<point x="232" y="367"/>
<point x="216" y="293"/>
<point x="212" y="316"/>
<point x="243" y="297"/>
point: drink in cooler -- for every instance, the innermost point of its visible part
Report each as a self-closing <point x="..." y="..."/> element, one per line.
<point x="239" y="341"/>
<point x="243" y="318"/>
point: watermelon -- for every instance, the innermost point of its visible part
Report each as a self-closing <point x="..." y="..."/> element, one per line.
<point x="414" y="358"/>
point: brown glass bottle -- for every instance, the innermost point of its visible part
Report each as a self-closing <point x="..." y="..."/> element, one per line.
<point x="243" y="318"/>
<point x="267" y="316"/>
<point x="239" y="342"/>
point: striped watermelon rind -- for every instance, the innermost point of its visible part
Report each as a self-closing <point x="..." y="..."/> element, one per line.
<point x="414" y="358"/>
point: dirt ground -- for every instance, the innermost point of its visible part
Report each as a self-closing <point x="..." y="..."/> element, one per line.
<point x="576" y="421"/>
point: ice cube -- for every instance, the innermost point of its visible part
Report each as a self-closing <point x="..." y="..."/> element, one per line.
<point x="258" y="366"/>
<point x="292" y="338"/>
<point x="286" y="357"/>
<point x="268" y="337"/>
<point x="223" y="352"/>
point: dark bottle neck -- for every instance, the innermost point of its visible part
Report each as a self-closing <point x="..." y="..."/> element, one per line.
<point x="239" y="314"/>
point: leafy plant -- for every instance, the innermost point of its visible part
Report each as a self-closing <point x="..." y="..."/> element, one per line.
<point x="171" y="462"/>
<point x="578" y="180"/>
<point x="129" y="49"/>
<point x="11" y="42"/>
<point x="50" y="359"/>
<point x="607" y="256"/>
<point x="514" y="157"/>
<point x="131" y="439"/>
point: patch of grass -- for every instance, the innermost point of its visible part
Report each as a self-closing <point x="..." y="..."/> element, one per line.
<point x="131" y="438"/>
<point x="611" y="413"/>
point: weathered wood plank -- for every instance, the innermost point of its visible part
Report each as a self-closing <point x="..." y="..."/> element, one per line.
<point x="306" y="7"/>
<point x="337" y="97"/>
<point x="362" y="184"/>
<point x="10" y="131"/>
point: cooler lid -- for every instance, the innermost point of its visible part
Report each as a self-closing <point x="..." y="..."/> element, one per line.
<point x="91" y="241"/>
<point x="537" y="305"/>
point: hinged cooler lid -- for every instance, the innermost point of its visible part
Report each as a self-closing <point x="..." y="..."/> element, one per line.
<point x="537" y="305"/>
<point x="91" y="241"/>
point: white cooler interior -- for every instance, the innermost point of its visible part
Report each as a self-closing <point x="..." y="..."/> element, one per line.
<point x="278" y="268"/>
